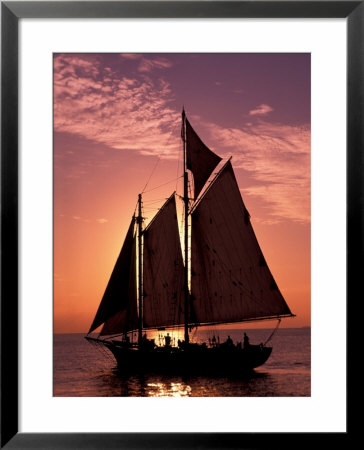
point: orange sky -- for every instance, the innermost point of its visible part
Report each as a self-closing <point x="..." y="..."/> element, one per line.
<point x="117" y="121"/>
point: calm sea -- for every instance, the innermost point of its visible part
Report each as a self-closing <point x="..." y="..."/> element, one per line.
<point x="84" y="370"/>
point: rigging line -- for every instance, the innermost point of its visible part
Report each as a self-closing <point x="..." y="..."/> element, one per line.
<point x="159" y="158"/>
<point x="275" y="329"/>
<point x="157" y="187"/>
<point x="153" y="170"/>
<point x="151" y="209"/>
<point x="173" y="129"/>
<point x="100" y="348"/>
<point x="108" y="355"/>
<point x="157" y="200"/>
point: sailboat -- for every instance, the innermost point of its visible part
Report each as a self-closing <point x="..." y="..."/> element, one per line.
<point x="215" y="275"/>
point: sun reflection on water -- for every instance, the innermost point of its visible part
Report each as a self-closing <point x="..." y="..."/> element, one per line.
<point x="168" y="390"/>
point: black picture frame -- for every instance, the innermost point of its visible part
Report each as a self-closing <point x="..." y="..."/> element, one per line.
<point x="11" y="12"/>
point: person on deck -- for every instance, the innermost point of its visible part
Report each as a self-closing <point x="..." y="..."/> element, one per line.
<point x="246" y="341"/>
<point x="167" y="340"/>
<point x="213" y="341"/>
<point x="229" y="341"/>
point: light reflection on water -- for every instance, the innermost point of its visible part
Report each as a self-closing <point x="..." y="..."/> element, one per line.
<point x="168" y="390"/>
<point x="113" y="383"/>
<point x="142" y="385"/>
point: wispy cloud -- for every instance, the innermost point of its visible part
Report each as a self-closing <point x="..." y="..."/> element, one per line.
<point x="148" y="64"/>
<point x="121" y="112"/>
<point x="261" y="110"/>
<point x="277" y="156"/>
<point x="84" y="219"/>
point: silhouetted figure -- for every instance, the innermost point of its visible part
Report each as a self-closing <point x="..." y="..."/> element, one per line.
<point x="167" y="340"/>
<point x="229" y="341"/>
<point x="213" y="341"/>
<point x="246" y="341"/>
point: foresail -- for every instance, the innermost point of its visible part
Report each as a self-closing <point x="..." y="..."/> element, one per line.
<point x="163" y="270"/>
<point x="230" y="280"/>
<point x="200" y="159"/>
<point x="117" y="324"/>
<point x="126" y="319"/>
<point x="116" y="296"/>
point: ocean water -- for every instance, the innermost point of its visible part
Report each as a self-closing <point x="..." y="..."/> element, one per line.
<point x="81" y="369"/>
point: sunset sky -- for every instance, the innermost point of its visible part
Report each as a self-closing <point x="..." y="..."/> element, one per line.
<point x="117" y="122"/>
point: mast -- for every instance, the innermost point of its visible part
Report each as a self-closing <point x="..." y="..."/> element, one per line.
<point x="140" y="275"/>
<point x="186" y="203"/>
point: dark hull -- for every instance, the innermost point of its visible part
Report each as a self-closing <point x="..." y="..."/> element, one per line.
<point x="194" y="360"/>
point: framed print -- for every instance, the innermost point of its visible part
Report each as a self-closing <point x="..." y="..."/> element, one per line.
<point x="102" y="103"/>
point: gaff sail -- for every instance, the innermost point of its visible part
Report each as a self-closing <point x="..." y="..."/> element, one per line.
<point x="163" y="270"/>
<point x="230" y="280"/>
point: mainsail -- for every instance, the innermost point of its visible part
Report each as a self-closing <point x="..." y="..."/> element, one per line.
<point x="163" y="269"/>
<point x="230" y="280"/>
<point x="120" y="290"/>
